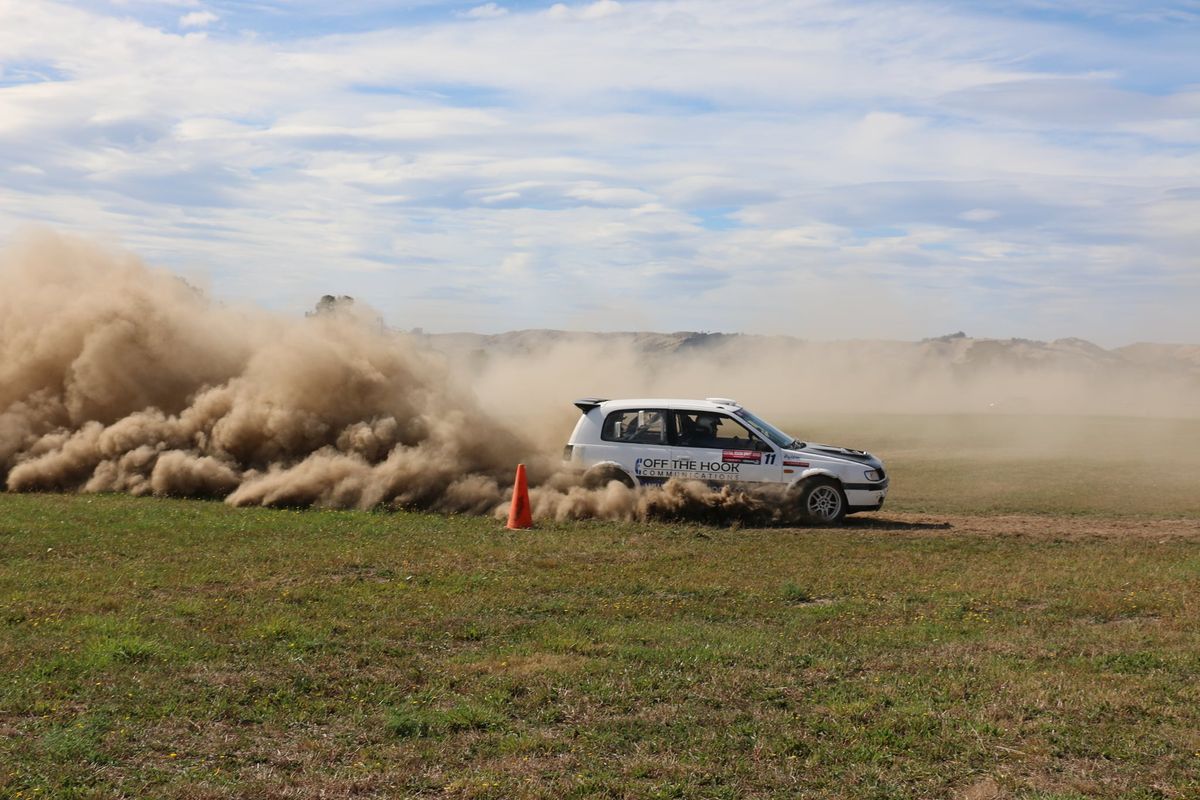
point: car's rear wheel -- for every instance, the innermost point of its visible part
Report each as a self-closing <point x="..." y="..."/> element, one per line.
<point x="822" y="502"/>
<point x="600" y="476"/>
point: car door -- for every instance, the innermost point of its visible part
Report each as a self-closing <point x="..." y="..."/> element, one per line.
<point x="636" y="438"/>
<point x="726" y="451"/>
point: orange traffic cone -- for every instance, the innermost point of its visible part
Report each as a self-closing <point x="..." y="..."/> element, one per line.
<point x="520" y="515"/>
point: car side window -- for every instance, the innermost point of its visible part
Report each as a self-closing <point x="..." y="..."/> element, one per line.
<point x="716" y="431"/>
<point x="638" y="426"/>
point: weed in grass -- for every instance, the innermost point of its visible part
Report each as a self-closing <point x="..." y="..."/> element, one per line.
<point x="125" y="649"/>
<point x="471" y="633"/>
<point x="464" y="714"/>
<point x="794" y="593"/>
<point x="77" y="740"/>
<point x="467" y="715"/>
<point x="275" y="630"/>
<point x="405" y="723"/>
<point x="1131" y="663"/>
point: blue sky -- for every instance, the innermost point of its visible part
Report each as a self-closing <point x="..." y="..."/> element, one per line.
<point x="821" y="169"/>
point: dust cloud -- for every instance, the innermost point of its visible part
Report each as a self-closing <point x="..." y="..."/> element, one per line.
<point x="118" y="378"/>
<point x="529" y="377"/>
<point x="115" y="377"/>
<point x="561" y="498"/>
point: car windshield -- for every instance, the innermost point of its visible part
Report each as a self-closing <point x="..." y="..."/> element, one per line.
<point x="778" y="437"/>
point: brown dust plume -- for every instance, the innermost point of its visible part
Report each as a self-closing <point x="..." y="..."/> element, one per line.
<point x="115" y="377"/>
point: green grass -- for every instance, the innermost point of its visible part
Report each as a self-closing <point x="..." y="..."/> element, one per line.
<point x="160" y="648"/>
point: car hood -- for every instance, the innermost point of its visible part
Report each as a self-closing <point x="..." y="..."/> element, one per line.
<point x="837" y="453"/>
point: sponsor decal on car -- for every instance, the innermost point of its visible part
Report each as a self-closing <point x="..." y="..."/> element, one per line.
<point x="741" y="456"/>
<point x="795" y="463"/>
<point x="685" y="468"/>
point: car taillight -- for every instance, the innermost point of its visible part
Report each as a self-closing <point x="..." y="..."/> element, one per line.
<point x="567" y="452"/>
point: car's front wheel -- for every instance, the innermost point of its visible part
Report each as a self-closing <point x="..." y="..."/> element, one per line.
<point x="822" y="501"/>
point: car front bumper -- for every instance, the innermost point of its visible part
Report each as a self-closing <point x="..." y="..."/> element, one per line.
<point x="866" y="496"/>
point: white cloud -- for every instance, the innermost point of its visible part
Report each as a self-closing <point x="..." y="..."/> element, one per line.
<point x="516" y="265"/>
<point x="591" y="192"/>
<point x="151" y="3"/>
<point x="600" y="9"/>
<point x="788" y="141"/>
<point x="485" y="11"/>
<point x="417" y="123"/>
<point x="197" y="19"/>
<point x="594" y="10"/>
<point x="500" y="197"/>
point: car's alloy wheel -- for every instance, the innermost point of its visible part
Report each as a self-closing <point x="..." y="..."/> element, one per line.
<point x="823" y="502"/>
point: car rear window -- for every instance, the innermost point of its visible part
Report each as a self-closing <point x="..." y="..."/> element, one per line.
<point x="637" y="425"/>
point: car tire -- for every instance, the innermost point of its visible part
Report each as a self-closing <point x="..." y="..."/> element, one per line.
<point x="600" y="476"/>
<point x="822" y="501"/>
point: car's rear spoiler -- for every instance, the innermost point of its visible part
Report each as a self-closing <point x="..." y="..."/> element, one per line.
<point x="586" y="404"/>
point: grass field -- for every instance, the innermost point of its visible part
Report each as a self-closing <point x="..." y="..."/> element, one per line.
<point x="163" y="648"/>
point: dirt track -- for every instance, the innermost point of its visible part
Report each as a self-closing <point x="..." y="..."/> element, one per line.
<point x="1031" y="526"/>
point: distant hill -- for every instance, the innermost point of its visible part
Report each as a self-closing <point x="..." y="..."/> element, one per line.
<point x="955" y="349"/>
<point x="1168" y="356"/>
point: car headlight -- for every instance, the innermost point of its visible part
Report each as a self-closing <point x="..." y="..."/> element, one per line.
<point x="871" y="475"/>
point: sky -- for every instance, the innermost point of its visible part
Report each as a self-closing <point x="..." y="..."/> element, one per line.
<point x="827" y="170"/>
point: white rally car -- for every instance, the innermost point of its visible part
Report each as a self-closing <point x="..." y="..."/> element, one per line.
<point x="645" y="442"/>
